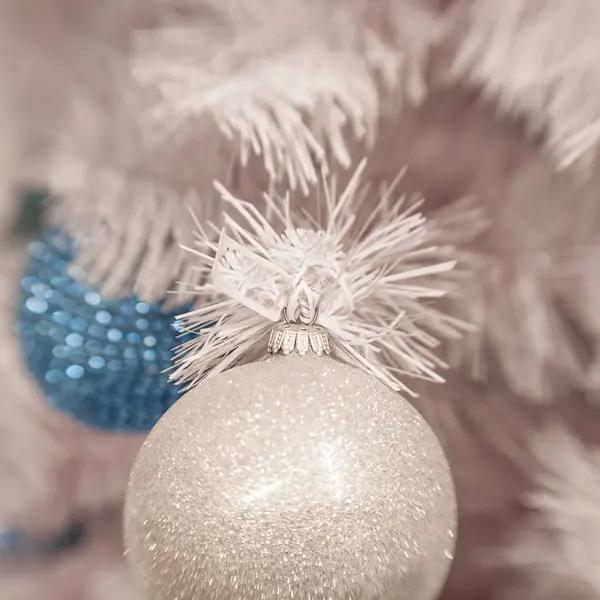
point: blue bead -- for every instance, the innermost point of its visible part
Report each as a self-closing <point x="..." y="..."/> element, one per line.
<point x="75" y="371"/>
<point x="142" y="308"/>
<point x="101" y="361"/>
<point x="103" y="317"/>
<point x="97" y="362"/>
<point x="75" y="340"/>
<point x="93" y="298"/>
<point x="114" y="335"/>
<point x="37" y="306"/>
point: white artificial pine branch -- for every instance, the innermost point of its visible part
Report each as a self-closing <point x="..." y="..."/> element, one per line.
<point x="280" y="89"/>
<point x="294" y="81"/>
<point x="539" y="59"/>
<point x="520" y="331"/>
<point x="558" y="551"/>
<point x="139" y="227"/>
<point x="374" y="283"/>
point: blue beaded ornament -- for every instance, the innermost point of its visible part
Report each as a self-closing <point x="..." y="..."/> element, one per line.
<point x="101" y="361"/>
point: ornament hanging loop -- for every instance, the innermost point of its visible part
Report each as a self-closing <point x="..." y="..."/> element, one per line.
<point x="298" y="317"/>
<point x="299" y="337"/>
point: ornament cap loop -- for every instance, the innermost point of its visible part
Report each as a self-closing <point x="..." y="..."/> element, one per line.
<point x="298" y="317"/>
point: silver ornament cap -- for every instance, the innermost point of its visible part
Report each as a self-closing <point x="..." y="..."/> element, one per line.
<point x="289" y="337"/>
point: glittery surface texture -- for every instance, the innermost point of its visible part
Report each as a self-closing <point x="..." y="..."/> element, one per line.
<point x="293" y="478"/>
<point x="101" y="361"/>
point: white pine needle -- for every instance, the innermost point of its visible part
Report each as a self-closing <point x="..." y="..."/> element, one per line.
<point x="204" y="90"/>
<point x="540" y="59"/>
<point x="291" y="82"/>
<point x="374" y="286"/>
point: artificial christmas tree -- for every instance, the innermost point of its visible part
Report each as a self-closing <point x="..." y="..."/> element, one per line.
<point x="128" y="111"/>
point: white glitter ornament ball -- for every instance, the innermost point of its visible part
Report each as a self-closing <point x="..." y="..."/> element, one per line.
<point x="293" y="478"/>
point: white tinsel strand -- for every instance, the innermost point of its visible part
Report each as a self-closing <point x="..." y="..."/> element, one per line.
<point x="540" y="59"/>
<point x="374" y="283"/>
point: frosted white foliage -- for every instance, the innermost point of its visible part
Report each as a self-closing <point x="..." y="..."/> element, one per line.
<point x="539" y="59"/>
<point x="372" y="283"/>
<point x="287" y="80"/>
<point x="137" y="224"/>
<point x="559" y="550"/>
<point x="512" y="304"/>
<point x="205" y="90"/>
